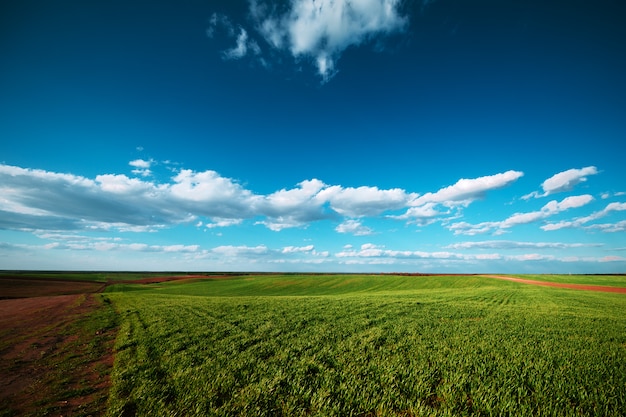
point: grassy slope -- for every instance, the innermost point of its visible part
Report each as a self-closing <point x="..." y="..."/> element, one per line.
<point x="368" y="345"/>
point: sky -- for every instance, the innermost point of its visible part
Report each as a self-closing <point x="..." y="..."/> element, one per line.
<point x="425" y="136"/>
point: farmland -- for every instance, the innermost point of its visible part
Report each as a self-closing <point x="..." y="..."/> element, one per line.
<point x="367" y="345"/>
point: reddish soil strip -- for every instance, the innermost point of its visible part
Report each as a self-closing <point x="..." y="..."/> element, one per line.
<point x="602" y="288"/>
<point x="34" y="339"/>
<point x="157" y="279"/>
<point x="19" y="287"/>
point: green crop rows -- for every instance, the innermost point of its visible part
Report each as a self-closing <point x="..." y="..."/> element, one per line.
<point x="367" y="346"/>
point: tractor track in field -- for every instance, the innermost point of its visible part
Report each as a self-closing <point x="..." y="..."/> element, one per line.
<point x="582" y="287"/>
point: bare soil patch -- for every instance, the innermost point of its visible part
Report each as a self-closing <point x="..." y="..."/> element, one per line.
<point x="601" y="288"/>
<point x="158" y="279"/>
<point x="47" y="362"/>
<point x="23" y="287"/>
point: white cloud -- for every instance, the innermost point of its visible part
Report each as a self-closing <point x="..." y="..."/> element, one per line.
<point x="508" y="244"/>
<point x="49" y="202"/>
<point x="563" y="181"/>
<point x="140" y="163"/>
<point x="572" y="202"/>
<point x="551" y="208"/>
<point x="241" y="49"/>
<point x="609" y="227"/>
<point x="121" y="184"/>
<point x="461" y="194"/>
<point x="465" y="191"/>
<point x="219" y="21"/>
<point x="370" y="250"/>
<point x="243" y="46"/>
<point x="223" y="223"/>
<point x="581" y="221"/>
<point x="298" y="249"/>
<point x="100" y="245"/>
<point x="613" y="259"/>
<point x="468" y="229"/>
<point x="421" y="216"/>
<point x="238" y="251"/>
<point x="364" y="201"/>
<point x="354" y="227"/>
<point x="531" y="257"/>
<point x="142" y="167"/>
<point x="321" y="30"/>
<point x="293" y="208"/>
<point x="209" y="194"/>
<point x="42" y="200"/>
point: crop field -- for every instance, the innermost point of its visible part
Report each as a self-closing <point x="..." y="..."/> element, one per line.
<point x="352" y="345"/>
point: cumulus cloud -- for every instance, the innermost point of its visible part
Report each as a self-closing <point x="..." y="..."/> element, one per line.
<point x="609" y="227"/>
<point x="499" y="227"/>
<point x="422" y="215"/>
<point x="238" y="251"/>
<point x="422" y="210"/>
<point x="110" y="246"/>
<point x="563" y="181"/>
<point x="465" y="191"/>
<point x="370" y="250"/>
<point x="364" y="201"/>
<point x="43" y="200"/>
<point x="582" y="221"/>
<point x="316" y="30"/>
<point x="376" y="254"/>
<point x="243" y="46"/>
<point x="218" y="21"/>
<point x="217" y="222"/>
<point x="293" y="208"/>
<point x="243" y="43"/>
<point x="508" y="244"/>
<point x="531" y="257"/>
<point x="298" y="249"/>
<point x="354" y="227"/>
<point x="142" y="167"/>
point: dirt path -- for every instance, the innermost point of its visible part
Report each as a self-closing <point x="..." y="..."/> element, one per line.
<point x="601" y="288"/>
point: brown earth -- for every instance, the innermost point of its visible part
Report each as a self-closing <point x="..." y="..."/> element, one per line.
<point x="44" y="364"/>
<point x="602" y="288"/>
<point x="157" y="279"/>
<point x="22" y="287"/>
<point x="47" y="367"/>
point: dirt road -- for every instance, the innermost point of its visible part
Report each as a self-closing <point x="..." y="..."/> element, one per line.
<point x="583" y="287"/>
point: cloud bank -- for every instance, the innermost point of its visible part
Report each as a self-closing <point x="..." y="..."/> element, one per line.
<point x="79" y="215"/>
<point x="42" y="200"/>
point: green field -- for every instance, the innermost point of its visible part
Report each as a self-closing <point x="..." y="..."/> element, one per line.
<point x="353" y="345"/>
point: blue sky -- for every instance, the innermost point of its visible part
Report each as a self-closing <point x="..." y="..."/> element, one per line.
<point x="301" y="135"/>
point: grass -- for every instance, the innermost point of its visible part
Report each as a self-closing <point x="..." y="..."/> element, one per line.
<point x="367" y="346"/>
